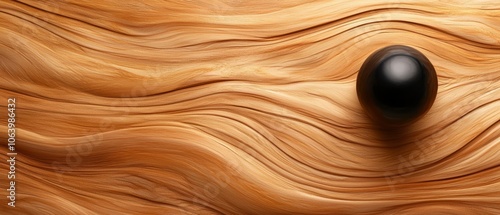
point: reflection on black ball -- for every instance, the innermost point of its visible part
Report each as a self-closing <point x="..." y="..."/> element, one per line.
<point x="396" y="85"/>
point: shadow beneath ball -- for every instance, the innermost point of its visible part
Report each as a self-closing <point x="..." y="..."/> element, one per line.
<point x="397" y="140"/>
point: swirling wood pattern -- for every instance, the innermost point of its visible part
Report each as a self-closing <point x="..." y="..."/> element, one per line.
<point x="244" y="107"/>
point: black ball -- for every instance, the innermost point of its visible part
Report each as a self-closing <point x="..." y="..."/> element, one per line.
<point x="396" y="85"/>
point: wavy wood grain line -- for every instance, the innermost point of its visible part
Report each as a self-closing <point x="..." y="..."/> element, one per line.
<point x="245" y="107"/>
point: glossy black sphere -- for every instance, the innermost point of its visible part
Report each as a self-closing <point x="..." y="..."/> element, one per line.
<point x="396" y="85"/>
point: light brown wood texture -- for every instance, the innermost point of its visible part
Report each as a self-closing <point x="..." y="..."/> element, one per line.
<point x="244" y="107"/>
